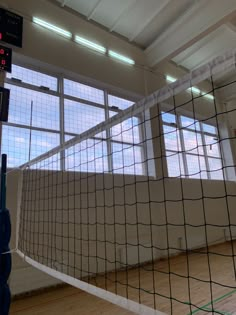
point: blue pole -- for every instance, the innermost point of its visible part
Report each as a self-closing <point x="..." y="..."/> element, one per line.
<point x="3" y="181"/>
<point x="5" y="235"/>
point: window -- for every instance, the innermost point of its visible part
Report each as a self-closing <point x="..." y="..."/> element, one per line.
<point x="33" y="77"/>
<point x="81" y="117"/>
<point x="33" y="124"/>
<point x="33" y="108"/>
<point x="46" y="110"/>
<point x="83" y="91"/>
<point x="192" y="147"/>
<point x="118" y="150"/>
<point x="126" y="140"/>
<point x="15" y="143"/>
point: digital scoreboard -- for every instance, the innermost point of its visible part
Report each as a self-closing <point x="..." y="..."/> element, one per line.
<point x="11" y="28"/>
<point x="5" y="58"/>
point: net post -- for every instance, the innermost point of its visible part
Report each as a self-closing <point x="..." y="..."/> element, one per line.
<point x="3" y="182"/>
<point x="5" y="235"/>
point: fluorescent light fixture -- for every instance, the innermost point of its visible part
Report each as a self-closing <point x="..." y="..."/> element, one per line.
<point x="194" y="90"/>
<point x="125" y="59"/>
<point x="52" y="27"/>
<point x="209" y="96"/>
<point x="170" y="79"/>
<point x="83" y="41"/>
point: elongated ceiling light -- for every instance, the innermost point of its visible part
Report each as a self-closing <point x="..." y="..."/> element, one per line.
<point x="52" y="27"/>
<point x="120" y="57"/>
<point x="193" y="88"/>
<point x="209" y="96"/>
<point x="170" y="79"/>
<point x="85" y="42"/>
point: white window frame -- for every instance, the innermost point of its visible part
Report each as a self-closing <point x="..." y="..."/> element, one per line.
<point x="60" y="93"/>
<point x="180" y="128"/>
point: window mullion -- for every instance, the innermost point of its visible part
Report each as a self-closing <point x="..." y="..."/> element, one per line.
<point x="31" y="87"/>
<point x="205" y="151"/>
<point x="108" y="134"/>
<point x="182" y="145"/>
<point x="62" y="122"/>
<point x="30" y="127"/>
<point x="144" y="153"/>
<point x="2" y="80"/>
<point x="163" y="149"/>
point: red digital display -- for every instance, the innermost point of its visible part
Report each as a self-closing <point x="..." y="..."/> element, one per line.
<point x="5" y="58"/>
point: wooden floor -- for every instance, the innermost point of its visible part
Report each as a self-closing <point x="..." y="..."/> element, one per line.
<point x="190" y="295"/>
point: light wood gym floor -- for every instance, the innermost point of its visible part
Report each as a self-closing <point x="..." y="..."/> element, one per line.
<point x="70" y="301"/>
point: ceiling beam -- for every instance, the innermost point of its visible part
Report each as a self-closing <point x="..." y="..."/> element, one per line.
<point x="231" y="26"/>
<point x="64" y="2"/>
<point x="125" y="11"/>
<point x="180" y="59"/>
<point x="93" y="11"/>
<point x="202" y="18"/>
<point x="147" y="21"/>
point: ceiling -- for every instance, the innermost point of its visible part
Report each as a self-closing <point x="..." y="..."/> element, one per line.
<point x="138" y="21"/>
<point x="188" y="32"/>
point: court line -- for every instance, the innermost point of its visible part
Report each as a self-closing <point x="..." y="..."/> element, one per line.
<point x="219" y="312"/>
<point x="214" y="301"/>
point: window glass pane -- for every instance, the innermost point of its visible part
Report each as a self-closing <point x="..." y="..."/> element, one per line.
<point x="15" y="143"/>
<point x="33" y="77"/>
<point x="87" y="156"/>
<point x="193" y="142"/>
<point x="189" y="123"/>
<point x="45" y="113"/>
<point x="175" y="164"/>
<point x="196" y="166"/>
<point x="68" y="137"/>
<point x="119" y="102"/>
<point x="127" y="131"/>
<point x="127" y="159"/>
<point x="215" y="166"/>
<point x="83" y="91"/>
<point x="171" y="137"/>
<point x="42" y="142"/>
<point x="80" y="117"/>
<point x="212" y="146"/>
<point x="169" y="118"/>
<point x="209" y="128"/>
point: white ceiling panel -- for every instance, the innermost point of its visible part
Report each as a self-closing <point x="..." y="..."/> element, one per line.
<point x="109" y="11"/>
<point x="81" y="6"/>
<point x="205" y="49"/>
<point x="135" y="19"/>
<point x="233" y="21"/>
<point x="168" y="15"/>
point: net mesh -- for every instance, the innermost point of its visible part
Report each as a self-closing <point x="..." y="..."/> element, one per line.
<point x="143" y="212"/>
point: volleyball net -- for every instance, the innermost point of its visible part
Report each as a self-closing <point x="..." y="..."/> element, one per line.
<point x="132" y="209"/>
